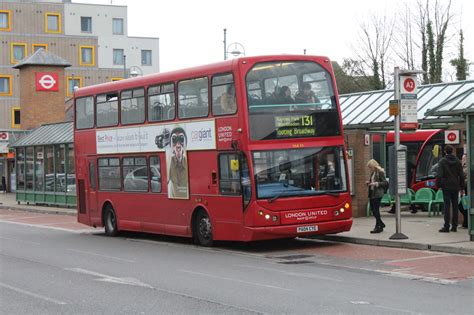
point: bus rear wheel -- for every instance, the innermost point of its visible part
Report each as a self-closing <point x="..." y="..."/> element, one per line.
<point x="203" y="226"/>
<point x="110" y="221"/>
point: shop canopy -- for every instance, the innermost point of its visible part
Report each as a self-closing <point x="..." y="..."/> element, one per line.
<point x="368" y="110"/>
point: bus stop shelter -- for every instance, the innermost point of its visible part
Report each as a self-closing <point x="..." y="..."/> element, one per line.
<point x="463" y="106"/>
<point x="45" y="171"/>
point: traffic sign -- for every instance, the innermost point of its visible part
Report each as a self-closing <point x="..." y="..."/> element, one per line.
<point x="451" y="137"/>
<point x="3" y="136"/>
<point x="47" y="81"/>
<point x="408" y="102"/>
<point x="409" y="85"/>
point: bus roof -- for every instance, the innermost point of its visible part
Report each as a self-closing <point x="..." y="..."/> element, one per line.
<point x="420" y="135"/>
<point x="222" y="66"/>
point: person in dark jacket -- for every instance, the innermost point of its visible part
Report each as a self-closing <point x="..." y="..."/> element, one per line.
<point x="376" y="185"/>
<point x="450" y="179"/>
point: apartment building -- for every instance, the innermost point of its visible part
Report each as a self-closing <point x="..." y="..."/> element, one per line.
<point x="93" y="38"/>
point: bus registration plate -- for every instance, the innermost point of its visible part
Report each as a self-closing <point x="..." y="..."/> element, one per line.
<point x="302" y="229"/>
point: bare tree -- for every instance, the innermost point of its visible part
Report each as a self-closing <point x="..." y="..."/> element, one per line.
<point x="373" y="48"/>
<point x="404" y="38"/>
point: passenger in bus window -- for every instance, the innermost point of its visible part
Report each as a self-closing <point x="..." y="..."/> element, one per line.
<point x="178" y="169"/>
<point x="306" y="95"/>
<point x="228" y="103"/>
<point x="284" y="96"/>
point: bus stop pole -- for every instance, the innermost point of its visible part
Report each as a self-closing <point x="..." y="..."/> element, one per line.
<point x="398" y="234"/>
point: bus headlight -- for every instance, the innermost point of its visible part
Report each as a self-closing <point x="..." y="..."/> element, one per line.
<point x="267" y="216"/>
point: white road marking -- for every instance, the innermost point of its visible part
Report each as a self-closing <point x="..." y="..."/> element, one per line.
<point x="17" y="240"/>
<point x="100" y="255"/>
<point x="297" y="274"/>
<point x="418" y="258"/>
<point x="112" y="279"/>
<point x="38" y="296"/>
<point x="89" y="230"/>
<point x="235" y="280"/>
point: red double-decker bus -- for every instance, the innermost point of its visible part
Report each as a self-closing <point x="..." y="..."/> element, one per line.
<point x="246" y="149"/>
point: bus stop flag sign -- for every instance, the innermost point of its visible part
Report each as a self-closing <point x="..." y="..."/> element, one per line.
<point x="408" y="102"/>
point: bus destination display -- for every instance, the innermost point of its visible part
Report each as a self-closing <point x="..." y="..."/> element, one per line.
<point x="294" y="126"/>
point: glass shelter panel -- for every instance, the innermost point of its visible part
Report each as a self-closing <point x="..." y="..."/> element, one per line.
<point x="49" y="168"/>
<point x="29" y="167"/>
<point x="60" y="168"/>
<point x="20" y="168"/>
<point x="39" y="169"/>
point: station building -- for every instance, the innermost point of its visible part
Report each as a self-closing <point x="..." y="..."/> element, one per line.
<point x="91" y="39"/>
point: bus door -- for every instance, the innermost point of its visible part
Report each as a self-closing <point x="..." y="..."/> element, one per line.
<point x="233" y="180"/>
<point x="91" y="199"/>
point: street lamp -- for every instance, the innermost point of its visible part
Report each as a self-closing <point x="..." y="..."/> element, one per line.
<point x="238" y="48"/>
<point x="235" y="49"/>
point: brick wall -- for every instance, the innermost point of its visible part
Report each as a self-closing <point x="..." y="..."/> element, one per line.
<point x="40" y="107"/>
<point x="360" y="157"/>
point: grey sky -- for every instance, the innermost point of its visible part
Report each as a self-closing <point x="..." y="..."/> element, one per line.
<point x="191" y="32"/>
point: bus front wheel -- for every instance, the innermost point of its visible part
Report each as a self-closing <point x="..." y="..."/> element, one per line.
<point x="110" y="221"/>
<point x="204" y="230"/>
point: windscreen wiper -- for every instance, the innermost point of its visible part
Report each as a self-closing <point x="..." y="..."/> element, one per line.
<point x="280" y="194"/>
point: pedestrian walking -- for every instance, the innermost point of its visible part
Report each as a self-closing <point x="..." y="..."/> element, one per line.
<point x="376" y="188"/>
<point x="450" y="179"/>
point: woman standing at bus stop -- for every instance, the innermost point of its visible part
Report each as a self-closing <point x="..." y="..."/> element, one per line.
<point x="376" y="186"/>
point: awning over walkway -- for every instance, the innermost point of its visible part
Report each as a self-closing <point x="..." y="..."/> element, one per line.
<point x="47" y="134"/>
<point x="459" y="105"/>
<point x="370" y="109"/>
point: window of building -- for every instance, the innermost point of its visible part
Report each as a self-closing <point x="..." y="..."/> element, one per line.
<point x="16" y="117"/>
<point x="39" y="166"/>
<point x="161" y="102"/>
<point x="5" y="85"/>
<point x="193" y="98"/>
<point x="71" y="83"/>
<point x="117" y="26"/>
<point x="86" y="24"/>
<point x="5" y="20"/>
<point x="109" y="174"/>
<point x="52" y="22"/>
<point x="18" y="52"/>
<point x="155" y="173"/>
<point x="223" y="95"/>
<point x="38" y="46"/>
<point x="84" y="112"/>
<point x="107" y="109"/>
<point x="146" y="57"/>
<point x="87" y="55"/>
<point x="118" y="56"/>
<point x="132" y="104"/>
<point x="135" y="174"/>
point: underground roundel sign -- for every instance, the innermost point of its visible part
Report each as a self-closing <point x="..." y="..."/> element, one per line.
<point x="47" y="81"/>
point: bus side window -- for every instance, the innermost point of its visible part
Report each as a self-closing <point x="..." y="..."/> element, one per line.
<point x="161" y="102"/>
<point x="223" y="95"/>
<point x="155" y="173"/>
<point x="229" y="174"/>
<point x="193" y="98"/>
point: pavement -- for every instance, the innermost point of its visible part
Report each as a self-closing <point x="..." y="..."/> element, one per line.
<point x="421" y="230"/>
